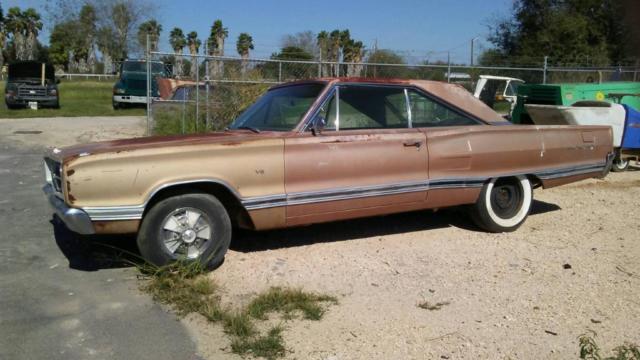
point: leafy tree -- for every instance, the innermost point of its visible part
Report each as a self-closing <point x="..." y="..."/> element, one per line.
<point x="64" y="40"/>
<point x="3" y="37"/>
<point x="386" y="57"/>
<point x="305" y="40"/>
<point x="290" y="71"/>
<point x="87" y="29"/>
<point x="576" y="32"/>
<point x="108" y="46"/>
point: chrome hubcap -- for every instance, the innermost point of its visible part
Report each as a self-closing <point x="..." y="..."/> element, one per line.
<point x="186" y="232"/>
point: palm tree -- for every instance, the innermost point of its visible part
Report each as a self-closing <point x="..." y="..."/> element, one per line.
<point x="178" y="42"/>
<point x="334" y="50"/>
<point x="323" y="46"/>
<point x="352" y="52"/>
<point x="153" y="29"/>
<point x="24" y="27"/>
<point x="244" y="45"/>
<point x="194" y="46"/>
<point x="216" y="47"/>
<point x="33" y="27"/>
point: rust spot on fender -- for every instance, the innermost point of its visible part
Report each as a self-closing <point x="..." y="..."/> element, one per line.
<point x="116" y="227"/>
<point x="70" y="172"/>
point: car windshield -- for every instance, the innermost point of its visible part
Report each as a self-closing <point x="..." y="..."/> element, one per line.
<point x="141" y="66"/>
<point x="280" y="109"/>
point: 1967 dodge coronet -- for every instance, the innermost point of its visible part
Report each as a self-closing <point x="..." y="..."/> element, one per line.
<point x="316" y="151"/>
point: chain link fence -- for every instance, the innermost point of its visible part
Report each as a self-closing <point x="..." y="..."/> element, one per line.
<point x="205" y="93"/>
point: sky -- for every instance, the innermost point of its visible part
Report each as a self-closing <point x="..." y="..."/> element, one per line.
<point x="415" y="28"/>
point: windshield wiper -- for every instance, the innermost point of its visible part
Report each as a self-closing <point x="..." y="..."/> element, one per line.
<point x="244" y="127"/>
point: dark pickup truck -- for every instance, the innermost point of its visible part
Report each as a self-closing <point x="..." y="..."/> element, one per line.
<point x="31" y="81"/>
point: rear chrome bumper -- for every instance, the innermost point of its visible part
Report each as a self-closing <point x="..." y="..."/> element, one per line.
<point x="607" y="167"/>
<point x="75" y="219"/>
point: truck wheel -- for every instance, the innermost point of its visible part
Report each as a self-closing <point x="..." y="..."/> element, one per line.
<point x="503" y="204"/>
<point x="191" y="227"/>
<point x="619" y="165"/>
<point x="115" y="105"/>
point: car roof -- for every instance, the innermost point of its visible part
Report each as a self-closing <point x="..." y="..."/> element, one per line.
<point x="453" y="94"/>
<point x="492" y="77"/>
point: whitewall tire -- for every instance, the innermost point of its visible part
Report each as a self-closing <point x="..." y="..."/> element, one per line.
<point x="503" y="204"/>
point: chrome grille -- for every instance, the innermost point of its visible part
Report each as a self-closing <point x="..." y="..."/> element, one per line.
<point x="32" y="91"/>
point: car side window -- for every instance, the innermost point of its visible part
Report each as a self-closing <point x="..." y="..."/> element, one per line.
<point x="426" y="112"/>
<point x="366" y="107"/>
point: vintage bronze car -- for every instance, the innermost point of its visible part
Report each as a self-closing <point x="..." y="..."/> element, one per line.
<point x="315" y="151"/>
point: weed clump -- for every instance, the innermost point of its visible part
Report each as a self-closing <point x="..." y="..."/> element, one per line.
<point x="431" y="307"/>
<point x="590" y="350"/>
<point x="185" y="287"/>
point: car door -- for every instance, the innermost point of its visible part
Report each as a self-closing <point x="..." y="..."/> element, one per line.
<point x="367" y="160"/>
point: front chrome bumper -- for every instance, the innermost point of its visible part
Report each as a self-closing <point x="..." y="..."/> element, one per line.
<point x="75" y="219"/>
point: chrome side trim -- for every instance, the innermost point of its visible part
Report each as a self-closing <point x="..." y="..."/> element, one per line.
<point x="309" y="197"/>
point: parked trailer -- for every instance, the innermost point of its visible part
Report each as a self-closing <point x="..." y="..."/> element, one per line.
<point x="623" y="119"/>
<point x="568" y="94"/>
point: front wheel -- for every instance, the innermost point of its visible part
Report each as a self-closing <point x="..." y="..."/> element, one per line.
<point x="503" y="204"/>
<point x="190" y="227"/>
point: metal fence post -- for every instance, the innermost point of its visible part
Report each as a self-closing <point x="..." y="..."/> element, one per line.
<point x="197" y="93"/>
<point x="207" y="75"/>
<point x="149" y="92"/>
<point x="448" y="66"/>
<point x="544" y="70"/>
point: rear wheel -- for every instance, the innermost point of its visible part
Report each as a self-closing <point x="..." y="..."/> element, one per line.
<point x="503" y="204"/>
<point x="191" y="227"/>
<point x="619" y="164"/>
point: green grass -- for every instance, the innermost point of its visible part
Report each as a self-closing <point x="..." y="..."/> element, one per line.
<point x="186" y="288"/>
<point x="77" y="98"/>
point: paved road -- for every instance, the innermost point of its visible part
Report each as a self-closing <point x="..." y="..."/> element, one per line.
<point x="65" y="297"/>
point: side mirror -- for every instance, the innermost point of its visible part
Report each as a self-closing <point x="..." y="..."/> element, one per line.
<point x="317" y="125"/>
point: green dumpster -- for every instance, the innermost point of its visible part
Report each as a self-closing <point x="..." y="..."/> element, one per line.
<point x="567" y="94"/>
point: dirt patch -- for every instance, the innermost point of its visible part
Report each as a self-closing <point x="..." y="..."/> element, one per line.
<point x="507" y="295"/>
<point x="58" y="132"/>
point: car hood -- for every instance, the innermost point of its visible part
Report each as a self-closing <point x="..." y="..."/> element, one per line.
<point x="234" y="137"/>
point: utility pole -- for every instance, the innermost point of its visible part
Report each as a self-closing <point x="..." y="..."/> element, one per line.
<point x="472" y="41"/>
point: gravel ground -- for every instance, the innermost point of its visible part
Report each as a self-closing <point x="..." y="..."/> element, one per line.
<point x="572" y="266"/>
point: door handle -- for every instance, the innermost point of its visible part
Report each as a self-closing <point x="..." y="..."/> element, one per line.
<point x="416" y="143"/>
